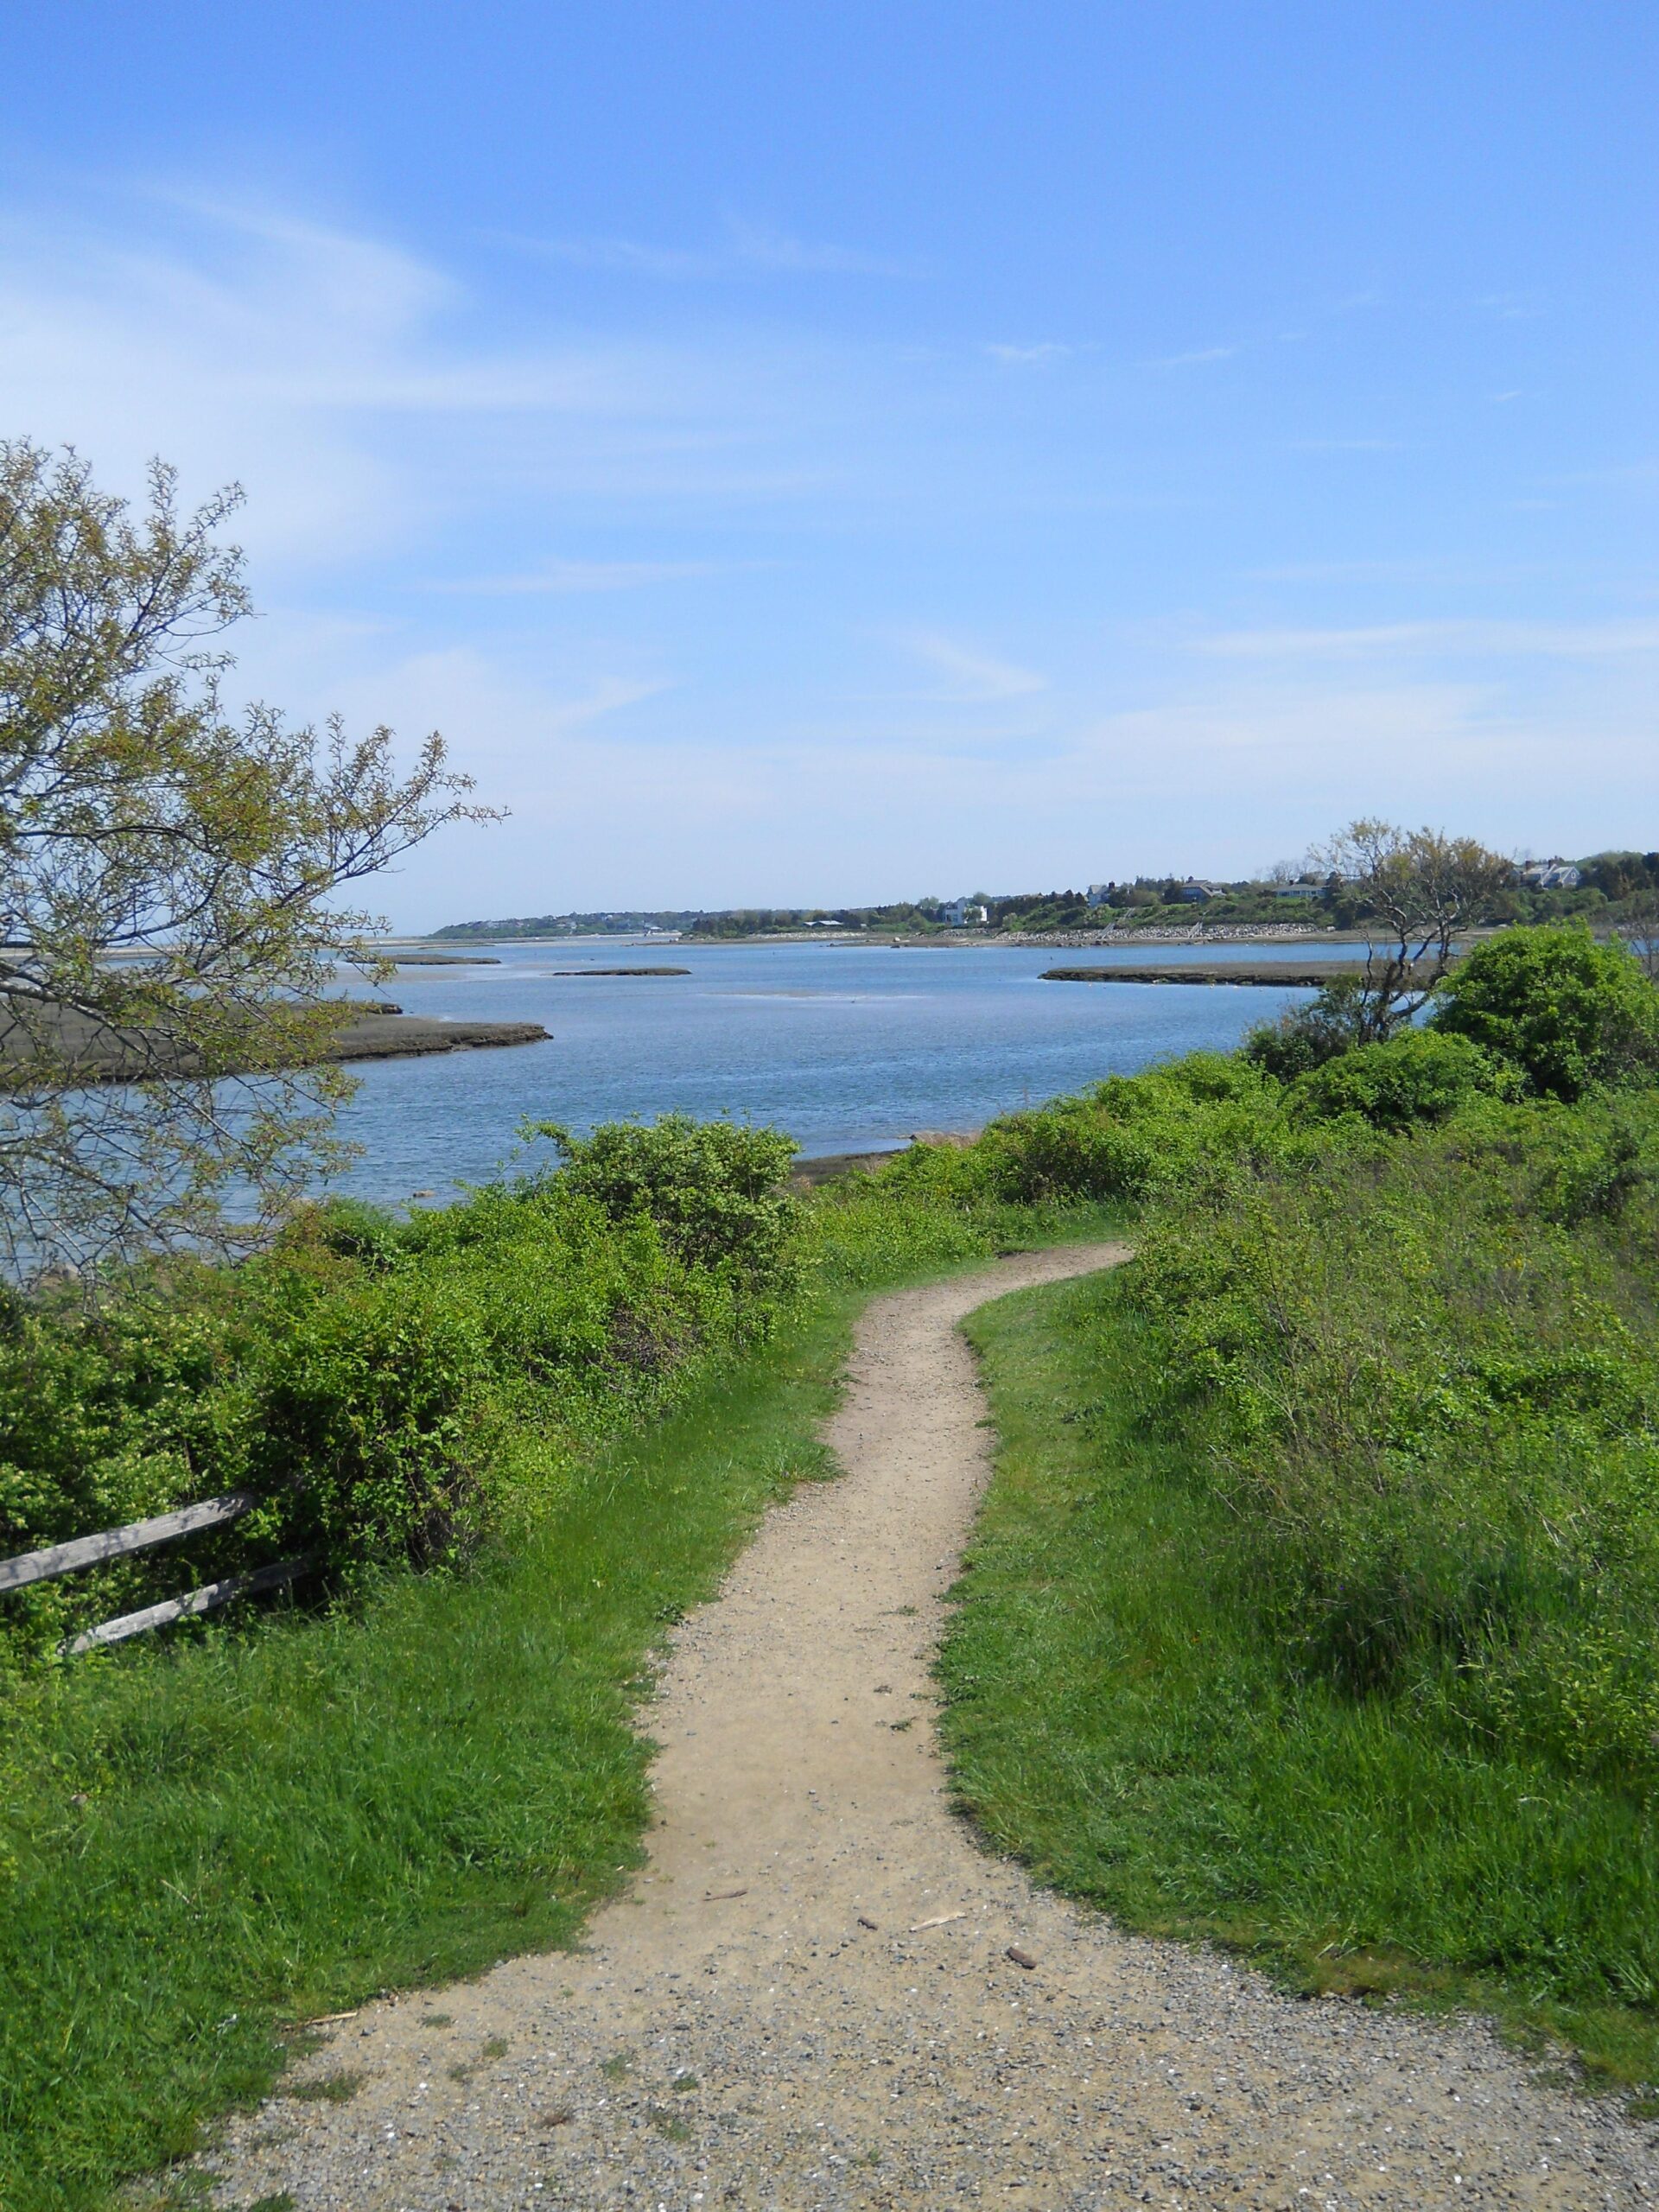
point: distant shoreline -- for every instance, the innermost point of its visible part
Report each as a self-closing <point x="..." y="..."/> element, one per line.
<point x="954" y="940"/>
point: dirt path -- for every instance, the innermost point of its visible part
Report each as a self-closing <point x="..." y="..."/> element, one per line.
<point x="807" y="1998"/>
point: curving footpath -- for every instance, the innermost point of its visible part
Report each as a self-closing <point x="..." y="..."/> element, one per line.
<point x="807" y="1997"/>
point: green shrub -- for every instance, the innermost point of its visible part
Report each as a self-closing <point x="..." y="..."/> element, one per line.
<point x="714" y="1188"/>
<point x="373" y="1380"/>
<point x="1131" y="1134"/>
<point x="1308" y="1035"/>
<point x="1568" y="1163"/>
<point x="1569" y="1012"/>
<point x="1415" y="1079"/>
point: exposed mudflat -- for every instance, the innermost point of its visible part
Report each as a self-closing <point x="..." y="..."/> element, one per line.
<point x="103" y="1051"/>
<point x="405" y="1036"/>
<point x="808" y="1998"/>
<point x="1277" y="974"/>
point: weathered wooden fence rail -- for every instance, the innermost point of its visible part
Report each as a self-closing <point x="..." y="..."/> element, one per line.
<point x="198" y="1601"/>
<point x="116" y="1543"/>
<point x="139" y="1535"/>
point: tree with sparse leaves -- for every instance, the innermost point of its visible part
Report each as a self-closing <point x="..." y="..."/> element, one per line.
<point x="1417" y="890"/>
<point x="174" y="883"/>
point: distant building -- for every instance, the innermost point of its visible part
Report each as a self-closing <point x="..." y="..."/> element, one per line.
<point x="1297" y="890"/>
<point x="1192" y="893"/>
<point x="1555" y="874"/>
<point x="1098" y="893"/>
<point x="963" y="914"/>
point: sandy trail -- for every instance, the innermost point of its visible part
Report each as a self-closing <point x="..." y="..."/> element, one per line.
<point x="806" y="1998"/>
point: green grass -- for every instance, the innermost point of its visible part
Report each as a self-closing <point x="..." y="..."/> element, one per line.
<point x="206" y="1845"/>
<point x="1117" y="1719"/>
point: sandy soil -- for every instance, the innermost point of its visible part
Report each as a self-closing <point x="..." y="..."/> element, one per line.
<point x="810" y="1997"/>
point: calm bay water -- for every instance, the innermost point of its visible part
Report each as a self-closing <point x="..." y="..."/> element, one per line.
<point x="849" y="1048"/>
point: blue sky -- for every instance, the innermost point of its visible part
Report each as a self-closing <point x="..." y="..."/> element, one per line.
<point x="836" y="452"/>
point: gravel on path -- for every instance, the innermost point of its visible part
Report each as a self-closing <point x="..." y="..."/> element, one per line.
<point x="822" y="1993"/>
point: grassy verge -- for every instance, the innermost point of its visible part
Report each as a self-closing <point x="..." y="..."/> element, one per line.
<point x="211" y="1843"/>
<point x="1117" y="1719"/>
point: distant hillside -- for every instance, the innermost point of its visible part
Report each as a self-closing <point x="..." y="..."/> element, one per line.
<point x="609" y="924"/>
<point x="1609" y="887"/>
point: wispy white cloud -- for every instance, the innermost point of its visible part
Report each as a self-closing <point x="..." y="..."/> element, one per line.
<point x="1630" y="476"/>
<point x="747" y="249"/>
<point x="499" y="717"/>
<point x="608" y="694"/>
<point x="1028" y="356"/>
<point x="1191" y="358"/>
<point x="557" y="578"/>
<point x="761" y="247"/>
<point x="1565" y="640"/>
<point x="1224" y="766"/>
<point x="345" y="382"/>
<point x="1512" y="307"/>
<point x="973" y="676"/>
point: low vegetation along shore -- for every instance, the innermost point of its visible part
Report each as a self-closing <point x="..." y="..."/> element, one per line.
<point x="1309" y="1610"/>
<point x="97" y="1052"/>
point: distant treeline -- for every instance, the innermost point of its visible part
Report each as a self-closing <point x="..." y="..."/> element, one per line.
<point x="1607" y="882"/>
<point x="608" y="924"/>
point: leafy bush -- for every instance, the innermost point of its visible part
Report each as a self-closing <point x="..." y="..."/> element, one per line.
<point x="1309" y="1034"/>
<point x="1131" y="1134"/>
<point x="1569" y="1165"/>
<point x="1415" y="1079"/>
<point x="714" y="1188"/>
<point x="1569" y="1012"/>
<point x="375" y="1381"/>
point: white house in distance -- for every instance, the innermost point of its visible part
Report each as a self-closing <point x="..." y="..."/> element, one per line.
<point x="1555" y="874"/>
<point x="965" y="914"/>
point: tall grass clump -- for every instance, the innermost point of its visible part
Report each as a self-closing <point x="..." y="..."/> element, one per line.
<point x="1425" y="1388"/>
